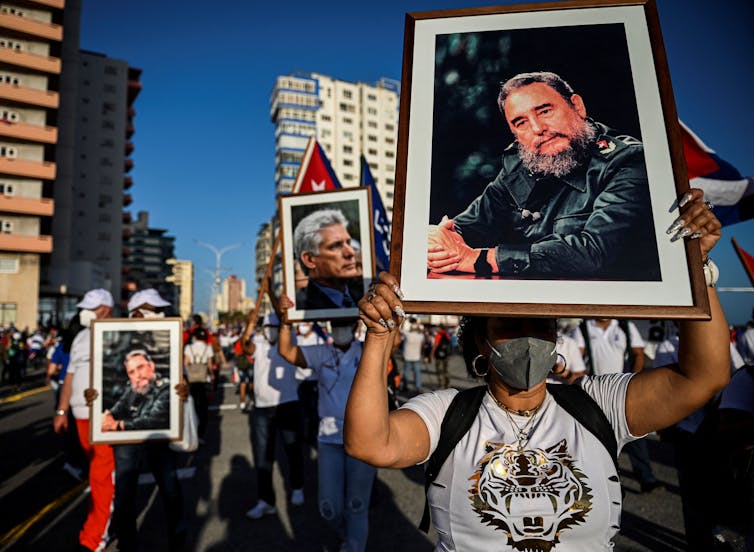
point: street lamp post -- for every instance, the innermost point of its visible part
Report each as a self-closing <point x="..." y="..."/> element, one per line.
<point x="216" y="280"/>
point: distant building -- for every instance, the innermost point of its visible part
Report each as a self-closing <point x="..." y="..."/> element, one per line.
<point x="146" y="252"/>
<point x="31" y="46"/>
<point x="182" y="278"/>
<point x="232" y="293"/>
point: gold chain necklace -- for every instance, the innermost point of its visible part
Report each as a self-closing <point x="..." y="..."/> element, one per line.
<point x="528" y="413"/>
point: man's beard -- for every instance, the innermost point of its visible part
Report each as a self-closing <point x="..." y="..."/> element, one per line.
<point x="560" y="164"/>
<point x="142" y="389"/>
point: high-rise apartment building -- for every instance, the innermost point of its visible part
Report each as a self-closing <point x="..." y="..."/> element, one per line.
<point x="88" y="229"/>
<point x="31" y="34"/>
<point x="346" y="118"/>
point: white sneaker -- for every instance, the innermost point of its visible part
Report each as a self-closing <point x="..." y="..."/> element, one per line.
<point x="261" y="509"/>
<point x="297" y="497"/>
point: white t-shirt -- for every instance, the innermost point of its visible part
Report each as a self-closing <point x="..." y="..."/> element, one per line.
<point x="275" y="379"/>
<point x="608" y="346"/>
<point x="564" y="490"/>
<point x="334" y="370"/>
<point x="413" y="340"/>
<point x="79" y="368"/>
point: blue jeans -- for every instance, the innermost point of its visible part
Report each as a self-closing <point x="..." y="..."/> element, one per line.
<point x="285" y="418"/>
<point x="345" y="488"/>
<point x="416" y="366"/>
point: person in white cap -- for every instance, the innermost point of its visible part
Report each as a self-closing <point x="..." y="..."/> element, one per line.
<point x="276" y="408"/>
<point x="96" y="304"/>
<point x="157" y="455"/>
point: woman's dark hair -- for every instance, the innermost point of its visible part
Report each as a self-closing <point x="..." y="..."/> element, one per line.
<point x="199" y="333"/>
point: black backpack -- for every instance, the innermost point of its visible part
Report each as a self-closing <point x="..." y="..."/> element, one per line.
<point x="464" y="408"/>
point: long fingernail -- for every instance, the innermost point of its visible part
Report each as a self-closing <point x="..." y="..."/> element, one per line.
<point x="391" y="324"/>
<point x="685" y="199"/>
<point x="677" y="225"/>
<point x="383" y="323"/>
<point x="682" y="234"/>
<point x="695" y="235"/>
<point x="398" y="291"/>
<point x="399" y="311"/>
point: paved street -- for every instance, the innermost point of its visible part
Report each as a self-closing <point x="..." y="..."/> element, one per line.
<point x="43" y="506"/>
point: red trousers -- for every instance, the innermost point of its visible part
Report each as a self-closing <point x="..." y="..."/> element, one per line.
<point x="93" y="534"/>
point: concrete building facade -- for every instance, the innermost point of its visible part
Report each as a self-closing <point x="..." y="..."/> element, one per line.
<point x="31" y="35"/>
<point x="232" y="293"/>
<point x="182" y="278"/>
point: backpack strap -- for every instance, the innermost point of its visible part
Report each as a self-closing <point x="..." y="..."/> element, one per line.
<point x="584" y="327"/>
<point x="579" y="404"/>
<point x="456" y="422"/>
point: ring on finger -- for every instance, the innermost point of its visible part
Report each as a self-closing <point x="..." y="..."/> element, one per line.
<point x="709" y="205"/>
<point x="371" y="295"/>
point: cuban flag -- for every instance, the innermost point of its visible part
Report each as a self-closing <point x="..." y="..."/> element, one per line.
<point x="379" y="220"/>
<point x="746" y="260"/>
<point x="315" y="173"/>
<point x="730" y="193"/>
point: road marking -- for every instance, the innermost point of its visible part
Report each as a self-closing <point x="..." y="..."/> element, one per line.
<point x="24" y="394"/>
<point x="223" y="407"/>
<point x="64" y="512"/>
<point x="26" y="473"/>
<point x="19" y="530"/>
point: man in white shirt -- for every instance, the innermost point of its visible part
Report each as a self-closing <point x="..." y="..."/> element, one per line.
<point x="96" y="304"/>
<point x="616" y="347"/>
<point x="276" y="409"/>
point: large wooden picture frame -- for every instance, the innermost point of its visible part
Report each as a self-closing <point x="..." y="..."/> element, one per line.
<point x="324" y="300"/>
<point x="135" y="365"/>
<point x="581" y="239"/>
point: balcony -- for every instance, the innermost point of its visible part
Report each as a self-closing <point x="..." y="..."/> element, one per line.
<point x="26" y="60"/>
<point x="25" y="244"/>
<point x="30" y="96"/>
<point x="129" y="148"/>
<point x="128" y="165"/>
<point x="42" y="207"/>
<point x="30" y="27"/>
<point x="126" y="220"/>
<point x="127" y="200"/>
<point x="134" y="87"/>
<point x="31" y="169"/>
<point x="128" y="182"/>
<point x="30" y="133"/>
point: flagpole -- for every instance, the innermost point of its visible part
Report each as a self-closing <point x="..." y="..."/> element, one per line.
<point x="251" y="321"/>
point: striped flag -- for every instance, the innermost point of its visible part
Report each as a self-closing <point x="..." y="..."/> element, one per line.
<point x="379" y="220"/>
<point x="746" y="260"/>
<point x="315" y="173"/>
<point x="731" y="193"/>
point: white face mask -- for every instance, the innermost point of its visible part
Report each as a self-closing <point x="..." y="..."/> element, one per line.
<point x="342" y="335"/>
<point x="86" y="316"/>
<point x="304" y="329"/>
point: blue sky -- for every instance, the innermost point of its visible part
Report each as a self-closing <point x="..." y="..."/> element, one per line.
<point x="204" y="141"/>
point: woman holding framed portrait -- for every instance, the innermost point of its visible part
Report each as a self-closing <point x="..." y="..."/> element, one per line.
<point x="528" y="469"/>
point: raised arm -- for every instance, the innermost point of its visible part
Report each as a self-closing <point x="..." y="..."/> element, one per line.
<point x="291" y="353"/>
<point x="370" y="432"/>
<point x="661" y="397"/>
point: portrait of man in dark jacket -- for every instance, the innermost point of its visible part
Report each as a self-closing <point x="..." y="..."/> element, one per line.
<point x="570" y="202"/>
<point x="145" y="404"/>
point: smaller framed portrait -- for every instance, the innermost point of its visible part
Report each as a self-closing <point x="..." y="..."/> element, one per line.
<point x="135" y="365"/>
<point x="328" y="252"/>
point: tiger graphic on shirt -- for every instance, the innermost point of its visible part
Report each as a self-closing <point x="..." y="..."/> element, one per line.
<point x="530" y="495"/>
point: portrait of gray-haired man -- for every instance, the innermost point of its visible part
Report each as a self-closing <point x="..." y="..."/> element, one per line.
<point x="571" y="201"/>
<point x="325" y="250"/>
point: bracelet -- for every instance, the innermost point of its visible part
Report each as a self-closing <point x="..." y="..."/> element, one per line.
<point x="711" y="272"/>
<point x="60" y="412"/>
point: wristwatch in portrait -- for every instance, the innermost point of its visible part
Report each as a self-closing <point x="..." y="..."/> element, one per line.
<point x="482" y="267"/>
